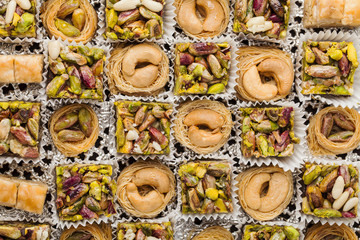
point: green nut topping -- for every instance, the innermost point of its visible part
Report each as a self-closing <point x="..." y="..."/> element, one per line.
<point x="162" y="231"/>
<point x="201" y="68"/>
<point x="84" y="191"/>
<point x="270" y="232"/>
<point x="19" y="230"/>
<point x="328" y="68"/>
<point x="206" y="187"/>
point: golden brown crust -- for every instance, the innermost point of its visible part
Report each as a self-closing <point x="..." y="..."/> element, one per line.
<point x="117" y="81"/>
<point x="49" y="11"/>
<point x="98" y="232"/>
<point x="127" y="177"/>
<point x="214" y="233"/>
<point x="8" y="190"/>
<point x="31" y="196"/>
<point x="28" y="68"/>
<point x="7" y="69"/>
<point x="320" y="145"/>
<point x="219" y="18"/>
<point x="72" y="149"/>
<point x="248" y="182"/>
<point x="322" y="232"/>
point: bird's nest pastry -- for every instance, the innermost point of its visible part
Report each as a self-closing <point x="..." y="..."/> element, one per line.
<point x="72" y="20"/>
<point x="326" y="231"/>
<point x="145" y="188"/>
<point x="74" y="129"/>
<point x="333" y="131"/>
<point x="264" y="74"/>
<point x="89" y="231"/>
<point x="264" y="192"/>
<point x="202" y="18"/>
<point x="138" y="69"/>
<point x="204" y="126"/>
<point x="214" y="233"/>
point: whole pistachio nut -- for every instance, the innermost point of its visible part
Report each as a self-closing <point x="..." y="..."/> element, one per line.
<point x="75" y="85"/>
<point x="79" y="18"/>
<point x="85" y="121"/>
<point x="67" y="8"/>
<point x="33" y="127"/>
<point x="154" y="28"/>
<point x="70" y="135"/>
<point x="66" y="28"/>
<point x="72" y="57"/>
<point x="111" y="17"/>
<point x="24" y="24"/>
<point x="87" y="76"/>
<point x="66" y="121"/>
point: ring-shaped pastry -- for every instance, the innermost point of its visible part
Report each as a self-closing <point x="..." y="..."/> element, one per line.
<point x="97" y="232"/>
<point x="145" y="188"/>
<point x="327" y="231"/>
<point x="202" y="18"/>
<point x="256" y="64"/>
<point x="264" y="192"/>
<point x="79" y="132"/>
<point x="346" y="137"/>
<point x="138" y="69"/>
<point x="51" y="18"/>
<point x="214" y="233"/>
<point x="204" y="126"/>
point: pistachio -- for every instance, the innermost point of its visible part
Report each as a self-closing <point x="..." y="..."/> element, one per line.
<point x="5" y="125"/>
<point x="314" y="196"/>
<point x="326" y="213"/>
<point x="140" y="115"/>
<point x="212" y="193"/>
<point x="66" y="28"/>
<point x="87" y="76"/>
<point x="75" y="85"/>
<point x="71" y="135"/>
<point x="199" y="49"/>
<point x="311" y="174"/>
<point x="85" y="121"/>
<point x="154" y="28"/>
<point x="111" y="17"/>
<point x="33" y="128"/>
<point x="328" y="182"/>
<point x="146" y="13"/>
<point x="25" y="22"/>
<point x="79" y="18"/>
<point x="327" y="124"/>
<point x="343" y="136"/>
<point x="72" y="57"/>
<point x="92" y="204"/>
<point x="342" y="122"/>
<point x="128" y="16"/>
<point x="66" y="121"/>
<point x="149" y="119"/>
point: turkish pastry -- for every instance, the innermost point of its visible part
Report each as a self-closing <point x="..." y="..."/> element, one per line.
<point x="141" y="230"/>
<point x="202" y="18"/>
<point x="268" y="132"/>
<point x="264" y="73"/>
<point x="21" y="68"/>
<point x="24" y="231"/>
<point x="201" y="68"/>
<point x="17" y="18"/>
<point x="206" y="187"/>
<point x="19" y="129"/>
<point x="333" y="131"/>
<point x="74" y="129"/>
<point x="138" y="69"/>
<point x="323" y="13"/>
<point x="267" y="18"/>
<point x="72" y="20"/>
<point x="90" y="231"/>
<point x="143" y="128"/>
<point x="204" y="126"/>
<point x="84" y="191"/>
<point x="264" y="192"/>
<point x="145" y="188"/>
<point x="76" y="72"/>
<point x="127" y="20"/>
<point x="329" y="68"/>
<point x="331" y="190"/>
<point x="22" y="194"/>
<point x="327" y="231"/>
<point x="271" y="232"/>
<point x="214" y="233"/>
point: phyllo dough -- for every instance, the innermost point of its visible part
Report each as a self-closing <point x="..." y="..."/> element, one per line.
<point x="31" y="196"/>
<point x="8" y="192"/>
<point x="335" y="13"/>
<point x="21" y="68"/>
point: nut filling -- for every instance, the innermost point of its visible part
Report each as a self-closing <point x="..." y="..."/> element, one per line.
<point x="76" y="72"/>
<point x="74" y="129"/>
<point x="206" y="187"/>
<point x="265" y="17"/>
<point x="264" y="192"/>
<point x="19" y="129"/>
<point x="17" y="18"/>
<point x="143" y="128"/>
<point x="19" y="230"/>
<point x="329" y="68"/>
<point x="331" y="190"/>
<point x="202" y="68"/>
<point x="139" y="230"/>
<point x="84" y="192"/>
<point x="271" y="232"/>
<point x="134" y="19"/>
<point x="268" y="132"/>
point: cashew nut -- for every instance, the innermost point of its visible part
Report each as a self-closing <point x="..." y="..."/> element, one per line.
<point x="142" y="76"/>
<point x="275" y="195"/>
<point x="203" y="138"/>
<point x="146" y="204"/>
<point x="152" y="177"/>
<point x="125" y="5"/>
<point x="280" y="71"/>
<point x="188" y="19"/>
<point x="213" y="12"/>
<point x="206" y="117"/>
<point x="254" y="87"/>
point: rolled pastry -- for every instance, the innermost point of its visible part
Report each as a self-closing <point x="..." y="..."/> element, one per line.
<point x="327" y="231"/>
<point x="214" y="233"/>
<point x="89" y="231"/>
